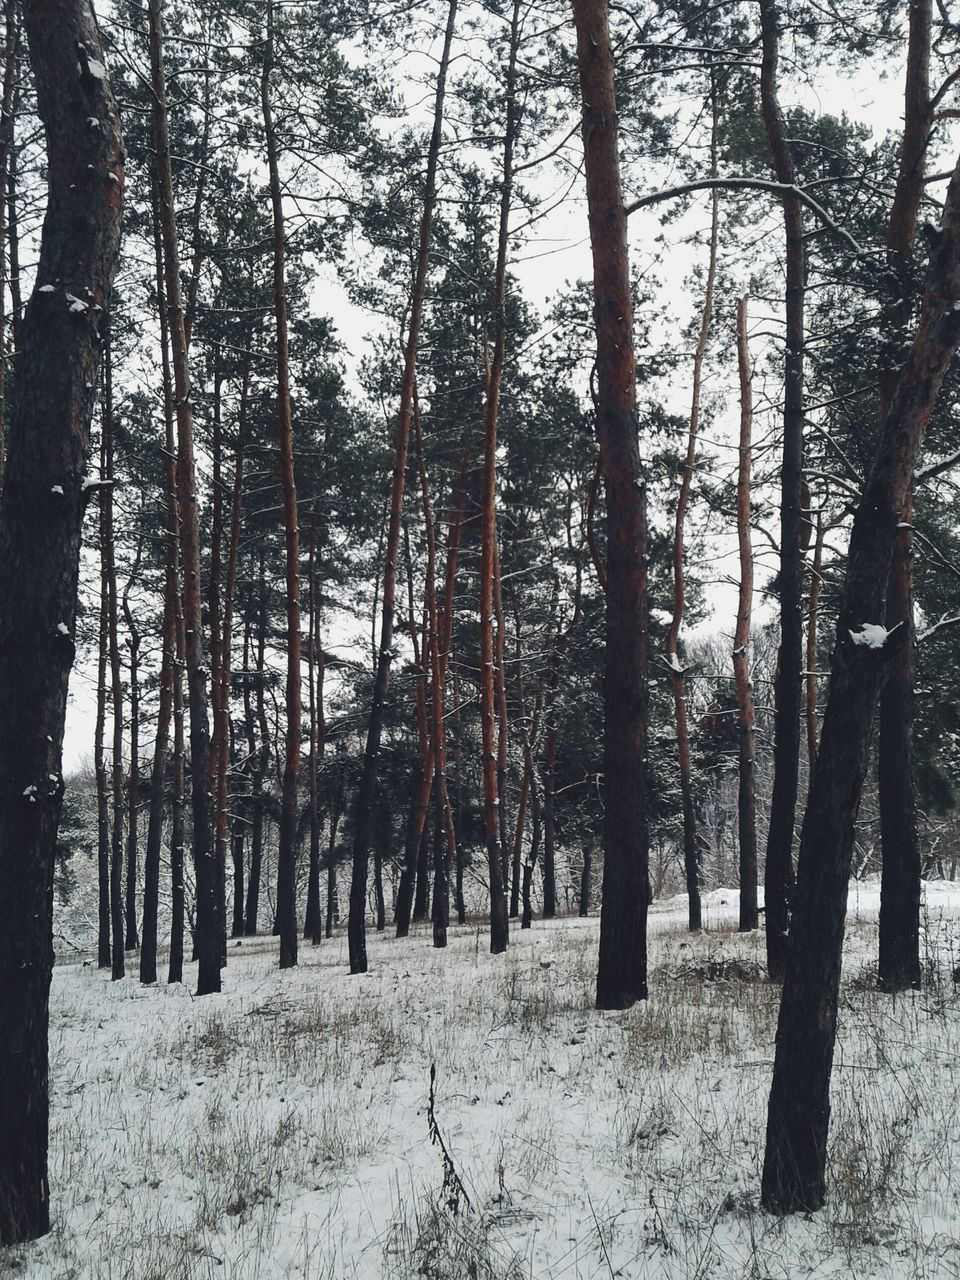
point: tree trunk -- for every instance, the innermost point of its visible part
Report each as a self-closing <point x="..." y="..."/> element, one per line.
<point x="11" y="40"/>
<point x="813" y="615"/>
<point x="899" y="958"/>
<point x="333" y="905"/>
<point x="797" y="1121"/>
<point x="493" y="763"/>
<point x="622" y="972"/>
<point x="99" y="766"/>
<point x="458" y="783"/>
<point x="131" y="938"/>
<point x="177" y="852"/>
<point x="313" y="923"/>
<point x="116" y="682"/>
<point x="209" y="931"/>
<point x="746" y="798"/>
<point x="40" y="524"/>
<point x="691" y="851"/>
<point x="287" y="853"/>
<point x="368" y="777"/>
<point x="778" y="875"/>
<point x="151" y="862"/>
<point x="260" y="758"/>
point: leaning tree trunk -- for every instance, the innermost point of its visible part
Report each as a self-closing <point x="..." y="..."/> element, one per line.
<point x="746" y="715"/>
<point x="778" y="875"/>
<point x="40" y="522"/>
<point x="287" y="852"/>
<point x="799" y="1110"/>
<point x="209" y="930"/>
<point x="899" y="958"/>
<point x="368" y="777"/>
<point x="622" y="971"/>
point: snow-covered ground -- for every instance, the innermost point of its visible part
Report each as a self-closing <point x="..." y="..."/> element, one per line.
<point x="281" y="1128"/>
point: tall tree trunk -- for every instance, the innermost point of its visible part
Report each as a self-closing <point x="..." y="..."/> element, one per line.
<point x="899" y="959"/>
<point x="40" y="525"/>
<point x="209" y="929"/>
<point x="778" y="874"/>
<point x="168" y="660"/>
<point x="622" y="971"/>
<point x="746" y="715"/>
<point x="333" y="904"/>
<point x="220" y="728"/>
<point x="799" y="1110"/>
<point x="131" y="938"/>
<point x="368" y="777"/>
<point x="260" y="758"/>
<point x="99" y="766"/>
<point x="287" y="853"/>
<point x="493" y="752"/>
<point x="116" y="681"/>
<point x="177" y="824"/>
<point x="503" y="724"/>
<point x="458" y="783"/>
<point x="313" y="924"/>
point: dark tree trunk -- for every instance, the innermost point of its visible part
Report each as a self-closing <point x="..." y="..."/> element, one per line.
<point x="151" y="862"/>
<point x="209" y="930"/>
<point x="116" y="682"/>
<point x="799" y="1110"/>
<point x="99" y="765"/>
<point x="535" y="835"/>
<point x="746" y="715"/>
<point x="131" y="938"/>
<point x="10" y="43"/>
<point x="813" y="616"/>
<point x="40" y="523"/>
<point x="260" y="758"/>
<point x="368" y="777"/>
<point x="287" y="852"/>
<point x="177" y="824"/>
<point x="313" y="924"/>
<point x="778" y="875"/>
<point x="622" y="972"/>
<point x="458" y="783"/>
<point x="899" y="958"/>
<point x="583" y="908"/>
<point x="494" y="770"/>
<point x="333" y="904"/>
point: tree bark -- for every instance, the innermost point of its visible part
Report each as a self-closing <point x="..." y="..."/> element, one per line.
<point x="209" y="929"/>
<point x="691" y="852"/>
<point x="799" y="1109"/>
<point x="131" y="934"/>
<point x="11" y="41"/>
<point x="99" y="766"/>
<point x="40" y="527"/>
<point x="494" y="772"/>
<point x="778" y="874"/>
<point x="287" y="853"/>
<point x="899" y="956"/>
<point x="622" y="970"/>
<point x="116" y="681"/>
<point x="746" y="714"/>
<point x="368" y="777"/>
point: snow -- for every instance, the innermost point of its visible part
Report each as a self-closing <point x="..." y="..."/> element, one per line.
<point x="57" y="488"/>
<point x="872" y="635"/>
<point x="77" y="305"/>
<point x="63" y="629"/>
<point x="673" y="662"/>
<point x="281" y="1128"/>
<point x="96" y="69"/>
<point x="47" y="288"/>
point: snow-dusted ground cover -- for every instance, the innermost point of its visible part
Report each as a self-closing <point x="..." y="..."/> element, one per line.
<point x="281" y="1129"/>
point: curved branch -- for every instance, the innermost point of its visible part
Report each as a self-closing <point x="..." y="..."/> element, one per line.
<point x="749" y="184"/>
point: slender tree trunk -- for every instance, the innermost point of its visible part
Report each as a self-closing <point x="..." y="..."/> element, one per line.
<point x="178" y="823"/>
<point x="799" y="1110"/>
<point x="151" y="863"/>
<point x="132" y="939"/>
<point x="40" y="530"/>
<point x="333" y="905"/>
<point x="287" y="853"/>
<point x="622" y="972"/>
<point x="260" y="758"/>
<point x="313" y="924"/>
<point x="583" y="908"/>
<point x="899" y="959"/>
<point x="503" y="725"/>
<point x="209" y="923"/>
<point x="778" y="875"/>
<point x="493" y="800"/>
<point x="746" y="799"/>
<point x="458" y="783"/>
<point x="99" y="766"/>
<point x="516" y="871"/>
<point x="368" y="777"/>
<point x="691" y="852"/>
<point x="116" y="680"/>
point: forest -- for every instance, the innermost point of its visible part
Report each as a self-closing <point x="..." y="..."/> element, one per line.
<point x="479" y="610"/>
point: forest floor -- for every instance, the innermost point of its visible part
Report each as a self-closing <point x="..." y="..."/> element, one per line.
<point x="282" y="1128"/>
